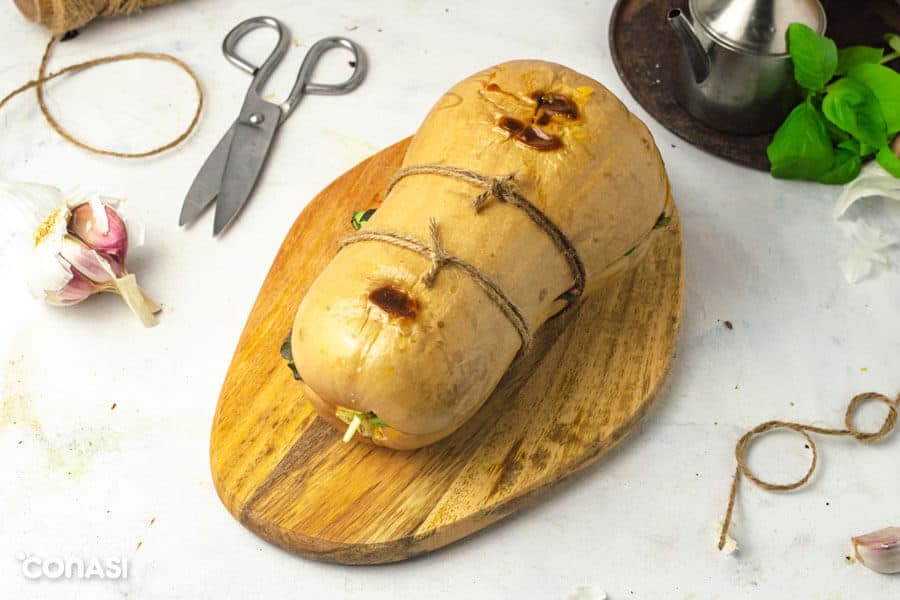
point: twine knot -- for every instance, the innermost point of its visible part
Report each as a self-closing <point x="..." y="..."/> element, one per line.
<point x="503" y="189"/>
<point x="439" y="256"/>
<point x="500" y="188"/>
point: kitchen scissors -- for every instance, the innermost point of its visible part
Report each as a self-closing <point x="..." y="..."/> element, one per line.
<point x="232" y="169"/>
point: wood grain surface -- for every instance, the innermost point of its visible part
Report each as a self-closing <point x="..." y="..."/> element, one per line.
<point x="285" y="474"/>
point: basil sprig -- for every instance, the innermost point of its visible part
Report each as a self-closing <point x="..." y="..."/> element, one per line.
<point x="851" y="110"/>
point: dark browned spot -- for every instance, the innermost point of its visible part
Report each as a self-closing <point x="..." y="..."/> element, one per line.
<point x="537" y="139"/>
<point x="440" y="324"/>
<point x="529" y="135"/>
<point x="556" y="104"/>
<point x="728" y="325"/>
<point x="513" y="126"/>
<point x="394" y="302"/>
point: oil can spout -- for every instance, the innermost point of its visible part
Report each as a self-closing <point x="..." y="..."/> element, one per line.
<point x="697" y="56"/>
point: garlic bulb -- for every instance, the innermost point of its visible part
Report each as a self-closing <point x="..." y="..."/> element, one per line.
<point x="879" y="550"/>
<point x="79" y="248"/>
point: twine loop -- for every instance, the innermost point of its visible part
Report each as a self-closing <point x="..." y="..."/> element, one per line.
<point x="850" y="430"/>
<point x="38" y="84"/>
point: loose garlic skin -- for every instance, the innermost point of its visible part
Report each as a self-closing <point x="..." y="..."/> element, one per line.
<point x="879" y="550"/>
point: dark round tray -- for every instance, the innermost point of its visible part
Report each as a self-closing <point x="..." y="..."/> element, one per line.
<point x="645" y="51"/>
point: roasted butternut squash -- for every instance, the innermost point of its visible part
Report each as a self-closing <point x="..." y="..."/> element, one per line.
<point x="404" y="354"/>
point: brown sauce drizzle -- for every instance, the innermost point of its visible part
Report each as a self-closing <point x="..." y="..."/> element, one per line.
<point x="547" y="106"/>
<point x="556" y="104"/>
<point x="396" y="303"/>
<point x="513" y="126"/>
<point x="537" y="139"/>
<point x="530" y="135"/>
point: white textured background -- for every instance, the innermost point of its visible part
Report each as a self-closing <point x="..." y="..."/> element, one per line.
<point x="77" y="478"/>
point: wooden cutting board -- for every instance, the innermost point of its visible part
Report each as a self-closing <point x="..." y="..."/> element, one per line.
<point x="287" y="476"/>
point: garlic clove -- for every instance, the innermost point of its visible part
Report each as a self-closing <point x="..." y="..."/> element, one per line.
<point x="77" y="289"/>
<point x="100" y="227"/>
<point x="89" y="262"/>
<point x="879" y="550"/>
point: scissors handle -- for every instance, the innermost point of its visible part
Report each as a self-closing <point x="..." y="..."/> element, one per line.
<point x="305" y="85"/>
<point x="261" y="73"/>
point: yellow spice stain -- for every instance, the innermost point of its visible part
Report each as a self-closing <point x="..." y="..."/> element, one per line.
<point x="74" y="454"/>
<point x="864" y="369"/>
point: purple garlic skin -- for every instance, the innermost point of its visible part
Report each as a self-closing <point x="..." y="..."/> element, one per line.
<point x="79" y="288"/>
<point x="110" y="238"/>
<point x="879" y="550"/>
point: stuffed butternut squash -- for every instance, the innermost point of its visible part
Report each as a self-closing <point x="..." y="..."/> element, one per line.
<point x="527" y="186"/>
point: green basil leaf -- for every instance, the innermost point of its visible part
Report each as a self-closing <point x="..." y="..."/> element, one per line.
<point x="801" y="148"/>
<point x="814" y="56"/>
<point x="837" y="134"/>
<point x="847" y="164"/>
<point x="892" y="40"/>
<point x="852" y="145"/>
<point x="853" y="107"/>
<point x="885" y="85"/>
<point x="857" y="55"/>
<point x="887" y="159"/>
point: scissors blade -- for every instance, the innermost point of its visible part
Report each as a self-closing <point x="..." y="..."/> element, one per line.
<point x="205" y="187"/>
<point x="249" y="147"/>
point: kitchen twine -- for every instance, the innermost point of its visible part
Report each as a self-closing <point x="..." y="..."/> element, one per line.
<point x="850" y="430"/>
<point x="38" y="84"/>
<point x="60" y="16"/>
<point x="502" y="189"/>
<point x="440" y="259"/>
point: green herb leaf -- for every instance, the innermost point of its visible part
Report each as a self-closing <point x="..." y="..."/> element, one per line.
<point x="884" y="83"/>
<point x="887" y="159"/>
<point x="853" y="107"/>
<point x="662" y="221"/>
<point x="288" y="355"/>
<point x="814" y="56"/>
<point x="801" y="148"/>
<point x="360" y="217"/>
<point x="857" y="55"/>
<point x="836" y="134"/>
<point x="892" y="40"/>
<point x="847" y="164"/>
